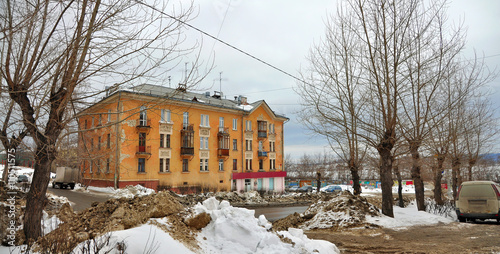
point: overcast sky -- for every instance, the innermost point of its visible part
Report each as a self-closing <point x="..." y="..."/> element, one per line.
<point x="281" y="33"/>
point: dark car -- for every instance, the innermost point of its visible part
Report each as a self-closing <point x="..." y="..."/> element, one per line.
<point x="305" y="188"/>
<point x="22" y="179"/>
<point x="333" y="188"/>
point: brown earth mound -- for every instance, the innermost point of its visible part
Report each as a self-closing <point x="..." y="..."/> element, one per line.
<point x="337" y="213"/>
<point x="112" y="215"/>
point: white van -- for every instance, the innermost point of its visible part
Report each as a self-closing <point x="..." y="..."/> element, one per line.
<point x="478" y="200"/>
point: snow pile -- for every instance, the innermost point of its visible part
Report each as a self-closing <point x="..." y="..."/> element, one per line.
<point x="407" y="217"/>
<point x="236" y="230"/>
<point x="343" y="211"/>
<point x="146" y="238"/>
<point x="133" y="191"/>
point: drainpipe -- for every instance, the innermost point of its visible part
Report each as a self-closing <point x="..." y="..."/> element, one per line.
<point x="117" y="163"/>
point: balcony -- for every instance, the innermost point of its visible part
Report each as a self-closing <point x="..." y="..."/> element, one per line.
<point x="144" y="125"/>
<point x="187" y="151"/>
<point x="221" y="152"/>
<point x="143" y="151"/>
<point x="187" y="140"/>
<point x="261" y="134"/>
<point x="262" y="154"/>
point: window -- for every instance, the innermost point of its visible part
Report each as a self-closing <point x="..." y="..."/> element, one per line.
<point x="162" y="140"/>
<point x="248" y="164"/>
<point x="221" y="124"/>
<point x="262" y="129"/>
<point x="271" y="128"/>
<point x="248" y="125"/>
<point x="85" y="126"/>
<point x="203" y="164"/>
<point x="107" y="165"/>
<point x="92" y="124"/>
<point x="272" y="164"/>
<point x="142" y="140"/>
<point x="98" y="166"/>
<point x="204" y="122"/>
<point x="261" y="146"/>
<point x="248" y="145"/>
<point x="91" y="162"/>
<point x="165" y="115"/>
<point x="271" y="146"/>
<point x="164" y="165"/>
<point x="221" y="165"/>
<point x="91" y="144"/>
<point x="235" y="144"/>
<point x="108" y="142"/>
<point x="261" y="164"/>
<point x="185" y="120"/>
<point x="203" y="142"/>
<point x="235" y="124"/>
<point x="141" y="165"/>
<point x="109" y="115"/>
<point x="168" y="141"/>
<point x="235" y="164"/>
<point x="185" y="165"/>
<point x="100" y="119"/>
<point x="99" y="143"/>
<point x="143" y="118"/>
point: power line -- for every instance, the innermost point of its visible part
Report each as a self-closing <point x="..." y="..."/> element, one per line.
<point x="221" y="41"/>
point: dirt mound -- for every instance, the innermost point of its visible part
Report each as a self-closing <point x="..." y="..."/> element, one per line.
<point x="255" y="198"/>
<point x="337" y="213"/>
<point x="112" y="215"/>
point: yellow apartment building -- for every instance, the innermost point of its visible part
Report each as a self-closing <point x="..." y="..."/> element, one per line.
<point x="165" y="138"/>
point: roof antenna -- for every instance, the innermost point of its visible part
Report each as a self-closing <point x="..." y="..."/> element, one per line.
<point x="220" y="83"/>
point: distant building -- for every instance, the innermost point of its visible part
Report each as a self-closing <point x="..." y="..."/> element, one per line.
<point x="165" y="138"/>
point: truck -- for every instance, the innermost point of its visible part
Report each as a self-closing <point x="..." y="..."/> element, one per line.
<point x="65" y="177"/>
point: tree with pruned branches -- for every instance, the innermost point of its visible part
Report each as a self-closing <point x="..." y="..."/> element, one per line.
<point x="57" y="54"/>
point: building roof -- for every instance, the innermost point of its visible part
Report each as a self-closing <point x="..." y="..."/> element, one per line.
<point x="215" y="100"/>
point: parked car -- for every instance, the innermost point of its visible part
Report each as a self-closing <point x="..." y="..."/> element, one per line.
<point x="478" y="200"/>
<point x="22" y="179"/>
<point x="293" y="188"/>
<point x="333" y="188"/>
<point x="305" y="188"/>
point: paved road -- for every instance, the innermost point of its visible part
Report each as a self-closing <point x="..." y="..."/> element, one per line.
<point x="276" y="213"/>
<point x="80" y="200"/>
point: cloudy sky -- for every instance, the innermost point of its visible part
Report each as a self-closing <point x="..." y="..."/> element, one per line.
<point x="281" y="32"/>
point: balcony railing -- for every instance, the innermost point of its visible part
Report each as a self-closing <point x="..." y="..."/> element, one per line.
<point x="187" y="150"/>
<point x="143" y="150"/>
<point x="262" y="154"/>
<point x="222" y="152"/>
<point x="143" y="123"/>
<point x="262" y="134"/>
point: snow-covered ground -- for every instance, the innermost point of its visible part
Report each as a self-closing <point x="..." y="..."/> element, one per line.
<point x="236" y="230"/>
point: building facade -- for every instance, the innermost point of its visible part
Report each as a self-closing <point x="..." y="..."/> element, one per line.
<point x="164" y="138"/>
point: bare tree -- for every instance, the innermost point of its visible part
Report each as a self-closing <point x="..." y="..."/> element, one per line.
<point x="51" y="49"/>
<point x="387" y="52"/>
<point x="434" y="48"/>
<point x="479" y="132"/>
<point x="331" y="96"/>
<point x="11" y="125"/>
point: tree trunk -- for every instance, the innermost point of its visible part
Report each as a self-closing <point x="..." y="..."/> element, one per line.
<point x="400" y="187"/>
<point x="438" y="176"/>
<point x="455" y="174"/>
<point x="355" y="179"/>
<point x="417" y="177"/>
<point x="5" y="174"/>
<point x="318" y="183"/>
<point x="36" y="200"/>
<point x="386" y="181"/>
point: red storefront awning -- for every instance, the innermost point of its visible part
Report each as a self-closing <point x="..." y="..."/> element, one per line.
<point x="249" y="175"/>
